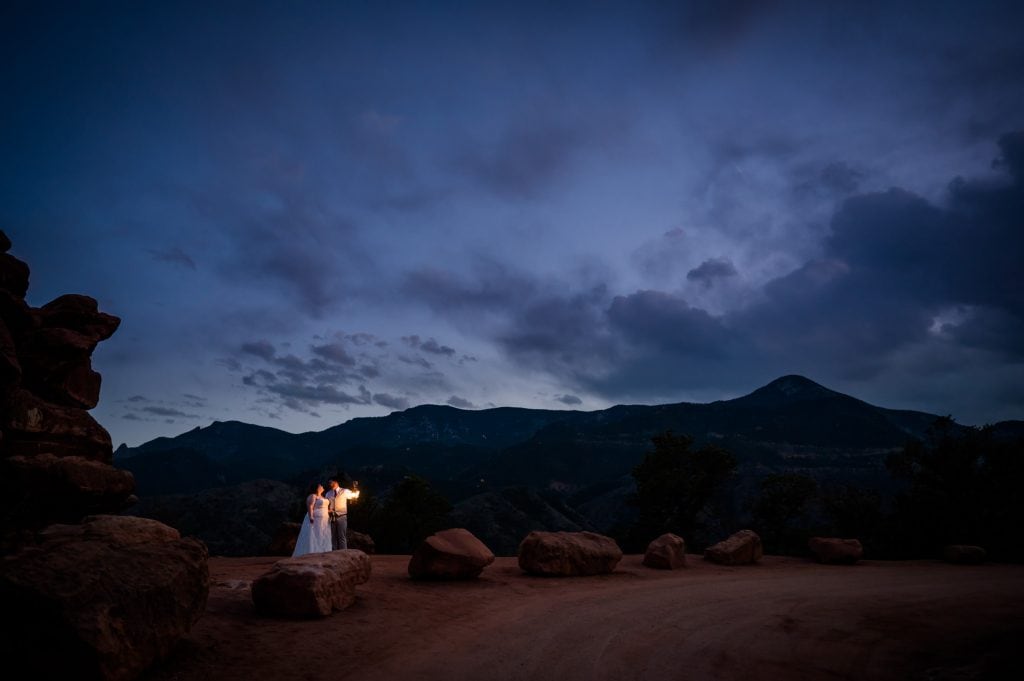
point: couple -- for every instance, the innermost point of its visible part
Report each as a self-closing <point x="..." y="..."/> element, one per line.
<point x="325" y="525"/>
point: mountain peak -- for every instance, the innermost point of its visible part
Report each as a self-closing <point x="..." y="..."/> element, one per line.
<point x="787" y="390"/>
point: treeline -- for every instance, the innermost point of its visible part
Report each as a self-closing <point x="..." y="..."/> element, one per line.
<point x="959" y="485"/>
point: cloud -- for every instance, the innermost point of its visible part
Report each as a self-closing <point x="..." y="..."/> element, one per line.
<point x="460" y="402"/>
<point x="167" y="411"/>
<point x="430" y="345"/>
<point x="334" y="352"/>
<point x="175" y="256"/>
<point x="260" y="348"/>
<point x="570" y="400"/>
<point x="526" y="160"/>
<point x="708" y="271"/>
<point x="390" y="401"/>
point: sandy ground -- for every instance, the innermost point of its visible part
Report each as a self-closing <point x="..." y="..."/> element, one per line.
<point x="784" y="618"/>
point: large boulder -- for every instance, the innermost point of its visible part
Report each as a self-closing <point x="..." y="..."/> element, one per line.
<point x="742" y="548"/>
<point x="313" y="585"/>
<point x="666" y="552"/>
<point x="450" y="554"/>
<point x="566" y="554"/>
<point x="361" y="541"/>
<point x="964" y="554"/>
<point x="835" y="550"/>
<point x="32" y="483"/>
<point x="103" y="599"/>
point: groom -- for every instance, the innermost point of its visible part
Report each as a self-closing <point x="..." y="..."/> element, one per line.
<point x="337" y="508"/>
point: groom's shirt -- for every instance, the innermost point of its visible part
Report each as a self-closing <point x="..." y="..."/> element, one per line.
<point x="339" y="499"/>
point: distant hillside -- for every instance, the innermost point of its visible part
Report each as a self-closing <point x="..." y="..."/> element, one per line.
<point x="584" y="458"/>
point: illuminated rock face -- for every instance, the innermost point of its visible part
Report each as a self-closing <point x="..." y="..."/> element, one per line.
<point x="450" y="554"/>
<point x="568" y="554"/>
<point x="667" y="552"/>
<point x="311" y="586"/>
<point x="742" y="548"/>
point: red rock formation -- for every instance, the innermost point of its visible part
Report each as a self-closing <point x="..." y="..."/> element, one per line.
<point x="835" y="550"/>
<point x="450" y="554"/>
<point x="666" y="552"/>
<point x="47" y="386"/>
<point x="313" y="585"/>
<point x="742" y="548"/>
<point x="93" y="595"/>
<point x="103" y="599"/>
<point x="566" y="554"/>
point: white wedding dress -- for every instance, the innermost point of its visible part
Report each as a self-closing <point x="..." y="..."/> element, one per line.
<point x="314" y="537"/>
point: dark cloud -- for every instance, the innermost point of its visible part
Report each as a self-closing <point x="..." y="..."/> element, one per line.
<point x="494" y="287"/>
<point x="710" y="270"/>
<point x="665" y="321"/>
<point x="302" y="396"/>
<point x="390" y="401"/>
<point x="167" y="411"/>
<point x="570" y="400"/>
<point x="261" y="349"/>
<point x="430" y="345"/>
<point x="526" y="160"/>
<point x="175" y="256"/>
<point x="334" y="352"/>
<point x="460" y="402"/>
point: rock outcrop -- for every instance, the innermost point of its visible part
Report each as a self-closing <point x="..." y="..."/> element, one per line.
<point x="964" y="554"/>
<point x="666" y="552"/>
<point x="567" y="554"/>
<point x="90" y="594"/>
<point x="836" y="550"/>
<point x="310" y="586"/>
<point x="450" y="554"/>
<point x="102" y="599"/>
<point x="47" y="386"/>
<point x="742" y="548"/>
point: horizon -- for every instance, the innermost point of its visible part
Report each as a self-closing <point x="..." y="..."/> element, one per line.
<point x="307" y="214"/>
<point x="448" y="406"/>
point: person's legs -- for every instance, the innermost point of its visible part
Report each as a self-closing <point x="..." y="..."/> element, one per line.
<point x="335" y="534"/>
<point x="342" y="526"/>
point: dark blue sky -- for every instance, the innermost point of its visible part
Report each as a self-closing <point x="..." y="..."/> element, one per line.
<point x="305" y="212"/>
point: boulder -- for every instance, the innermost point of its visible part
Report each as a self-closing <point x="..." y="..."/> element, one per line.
<point x="742" y="548"/>
<point x="103" y="599"/>
<point x="836" y="551"/>
<point x="964" y="554"/>
<point x="450" y="554"/>
<point x="566" y="554"/>
<point x="666" y="552"/>
<point x="30" y="484"/>
<point x="313" y="585"/>
<point x="361" y="541"/>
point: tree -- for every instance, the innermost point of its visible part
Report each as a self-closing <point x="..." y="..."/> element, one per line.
<point x="411" y="513"/>
<point x="674" y="484"/>
<point x="780" y="511"/>
<point x="962" y="487"/>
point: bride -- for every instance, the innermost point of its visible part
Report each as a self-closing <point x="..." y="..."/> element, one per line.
<point x="315" y="535"/>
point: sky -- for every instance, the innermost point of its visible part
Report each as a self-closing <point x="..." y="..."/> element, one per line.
<point x="307" y="212"/>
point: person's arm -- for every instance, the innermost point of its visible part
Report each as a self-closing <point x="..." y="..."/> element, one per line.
<point x="310" y="502"/>
<point x="351" y="493"/>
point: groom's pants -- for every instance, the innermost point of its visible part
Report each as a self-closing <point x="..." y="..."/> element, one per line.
<point x="339" y="532"/>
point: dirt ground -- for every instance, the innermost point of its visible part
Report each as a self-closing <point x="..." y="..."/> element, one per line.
<point x="785" y="618"/>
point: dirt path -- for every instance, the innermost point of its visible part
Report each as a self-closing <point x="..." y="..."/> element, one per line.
<point x="781" y="619"/>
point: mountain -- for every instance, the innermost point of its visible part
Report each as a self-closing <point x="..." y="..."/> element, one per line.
<point x="583" y="458"/>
